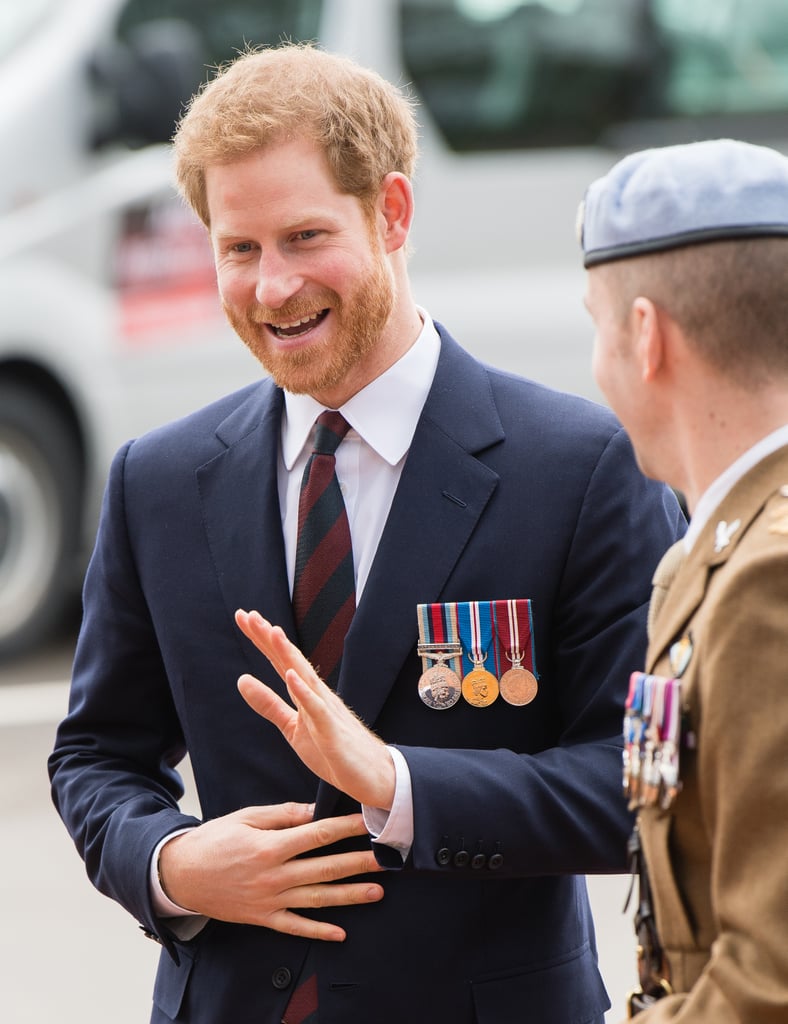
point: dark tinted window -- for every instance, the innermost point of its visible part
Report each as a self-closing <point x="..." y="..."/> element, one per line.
<point x="503" y="74"/>
<point x="163" y="49"/>
<point x="224" y="26"/>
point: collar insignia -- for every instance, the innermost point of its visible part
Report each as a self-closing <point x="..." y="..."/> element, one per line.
<point x="725" y="531"/>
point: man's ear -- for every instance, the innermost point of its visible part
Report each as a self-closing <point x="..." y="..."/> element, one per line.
<point x="650" y="338"/>
<point x="395" y="209"/>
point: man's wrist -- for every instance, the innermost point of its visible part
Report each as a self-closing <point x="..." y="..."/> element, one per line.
<point x="162" y="903"/>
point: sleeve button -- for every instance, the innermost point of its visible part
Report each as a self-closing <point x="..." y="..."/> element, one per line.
<point x="461" y="859"/>
<point x="478" y="861"/>
<point x="443" y="856"/>
<point x="496" y="861"/>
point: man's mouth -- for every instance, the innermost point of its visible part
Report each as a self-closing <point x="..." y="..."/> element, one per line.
<point x="298" y="327"/>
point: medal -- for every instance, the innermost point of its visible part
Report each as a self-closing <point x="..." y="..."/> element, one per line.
<point x="439" y="686"/>
<point x="513" y="625"/>
<point x="479" y="687"/>
<point x="680" y="655"/>
<point x="651" y="741"/>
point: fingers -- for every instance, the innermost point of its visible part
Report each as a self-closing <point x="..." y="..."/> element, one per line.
<point x="260" y="632"/>
<point x="277" y="816"/>
<point x="297" y="833"/>
<point x="315" y="897"/>
<point x="325" y="892"/>
<point x="342" y="894"/>
<point x="318" y="834"/>
<point x="266" y="703"/>
<point x="272" y="641"/>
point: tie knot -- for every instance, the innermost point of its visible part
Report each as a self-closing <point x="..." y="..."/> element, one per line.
<point x="331" y="428"/>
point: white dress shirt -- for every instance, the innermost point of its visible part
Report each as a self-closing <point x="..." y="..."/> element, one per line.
<point x="383" y="419"/>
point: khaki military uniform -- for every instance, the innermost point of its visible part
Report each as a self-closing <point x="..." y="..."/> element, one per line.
<point x="718" y="857"/>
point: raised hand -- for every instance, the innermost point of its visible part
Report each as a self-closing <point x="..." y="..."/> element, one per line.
<point x="328" y="737"/>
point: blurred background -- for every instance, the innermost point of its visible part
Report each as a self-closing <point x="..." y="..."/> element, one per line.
<point x="110" y="323"/>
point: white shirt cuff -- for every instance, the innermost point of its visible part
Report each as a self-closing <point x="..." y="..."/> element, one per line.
<point x="394" y="828"/>
<point x="189" y="923"/>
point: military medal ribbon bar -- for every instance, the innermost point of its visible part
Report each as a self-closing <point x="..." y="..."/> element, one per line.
<point x="466" y="647"/>
<point x="439" y="686"/>
<point x="479" y="685"/>
<point x="515" y="639"/>
<point x="652" y="726"/>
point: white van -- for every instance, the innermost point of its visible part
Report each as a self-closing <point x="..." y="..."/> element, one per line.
<point x="109" y="318"/>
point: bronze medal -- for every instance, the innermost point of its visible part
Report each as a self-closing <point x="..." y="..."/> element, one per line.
<point x="480" y="687"/>
<point x="518" y="686"/>
<point x="440" y="687"/>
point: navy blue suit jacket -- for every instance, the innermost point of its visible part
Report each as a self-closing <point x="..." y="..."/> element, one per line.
<point x="510" y="490"/>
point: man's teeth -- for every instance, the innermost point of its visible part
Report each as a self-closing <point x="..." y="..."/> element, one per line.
<point x="297" y="323"/>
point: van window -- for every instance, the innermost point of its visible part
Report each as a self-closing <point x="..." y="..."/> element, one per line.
<point x="506" y="74"/>
<point x="164" y="49"/>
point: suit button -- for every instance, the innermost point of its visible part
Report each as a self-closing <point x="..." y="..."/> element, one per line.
<point x="443" y="856"/>
<point x="479" y="860"/>
<point x="496" y="861"/>
<point x="281" y="978"/>
<point x="461" y="859"/>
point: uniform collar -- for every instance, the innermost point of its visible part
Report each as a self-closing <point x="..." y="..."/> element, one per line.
<point x="714" y="495"/>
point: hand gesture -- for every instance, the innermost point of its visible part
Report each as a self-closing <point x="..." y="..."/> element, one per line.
<point x="328" y="737"/>
<point x="246" y="867"/>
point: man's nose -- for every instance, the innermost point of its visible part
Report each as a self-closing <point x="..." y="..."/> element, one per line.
<point x="278" y="280"/>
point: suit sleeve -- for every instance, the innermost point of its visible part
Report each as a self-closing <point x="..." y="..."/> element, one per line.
<point x="560" y="810"/>
<point x="112" y="769"/>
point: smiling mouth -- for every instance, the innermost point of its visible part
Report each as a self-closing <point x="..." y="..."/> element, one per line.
<point x="299" y="327"/>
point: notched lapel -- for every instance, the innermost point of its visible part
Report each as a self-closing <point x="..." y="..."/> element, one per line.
<point x="442" y="494"/>
<point x="240" y="504"/>
<point x="440" y="499"/>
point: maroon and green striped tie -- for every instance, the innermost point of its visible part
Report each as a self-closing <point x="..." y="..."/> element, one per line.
<point x="324" y="593"/>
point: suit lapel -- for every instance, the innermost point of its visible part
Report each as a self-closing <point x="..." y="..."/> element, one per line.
<point x="442" y="493"/>
<point x="240" y="503"/>
<point x="441" y="496"/>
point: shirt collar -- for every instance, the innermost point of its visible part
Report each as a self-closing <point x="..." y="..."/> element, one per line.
<point x="384" y="413"/>
<point x="713" y="496"/>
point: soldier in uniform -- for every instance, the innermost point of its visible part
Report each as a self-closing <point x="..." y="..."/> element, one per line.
<point x="687" y="255"/>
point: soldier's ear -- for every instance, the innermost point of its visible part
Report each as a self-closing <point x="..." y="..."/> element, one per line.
<point x="650" y="337"/>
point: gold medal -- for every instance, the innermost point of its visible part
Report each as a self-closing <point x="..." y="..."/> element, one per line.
<point x="480" y="687"/>
<point x="518" y="686"/>
<point x="440" y="687"/>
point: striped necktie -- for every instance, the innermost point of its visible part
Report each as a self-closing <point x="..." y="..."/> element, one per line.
<point x="324" y="593"/>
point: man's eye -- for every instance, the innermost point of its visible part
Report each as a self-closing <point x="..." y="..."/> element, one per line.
<point x="242" y="247"/>
<point x="305" y="236"/>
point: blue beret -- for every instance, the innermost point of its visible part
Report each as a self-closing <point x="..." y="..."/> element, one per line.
<point x="674" y="196"/>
